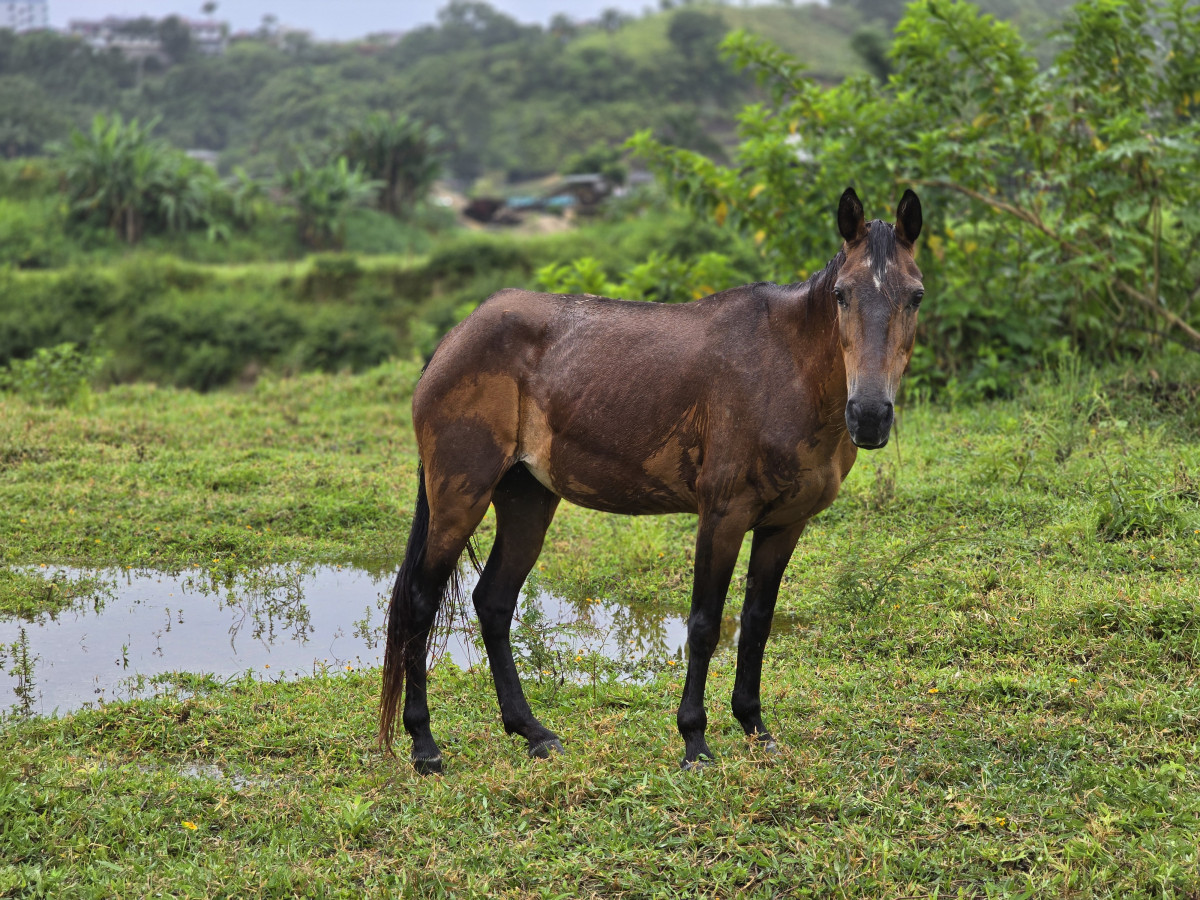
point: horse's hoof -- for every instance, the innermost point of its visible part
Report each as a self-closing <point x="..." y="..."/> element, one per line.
<point x="428" y="765"/>
<point x="764" y="742"/>
<point x="544" y="749"/>
<point x="698" y="764"/>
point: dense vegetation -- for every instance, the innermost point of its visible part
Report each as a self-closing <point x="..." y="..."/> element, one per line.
<point x="1061" y="197"/>
<point x="1064" y="202"/>
<point x="509" y="100"/>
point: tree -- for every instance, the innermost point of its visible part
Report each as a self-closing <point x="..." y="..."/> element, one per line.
<point x="697" y="37"/>
<point x="118" y="176"/>
<point x="613" y="20"/>
<point x="112" y="172"/>
<point x="474" y="22"/>
<point x="28" y="116"/>
<point x="323" y="196"/>
<point x="176" y="38"/>
<point x="598" y="159"/>
<point x="1063" y="203"/>
<point x="399" y="153"/>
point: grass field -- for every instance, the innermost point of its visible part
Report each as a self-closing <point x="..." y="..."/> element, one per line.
<point x="989" y="686"/>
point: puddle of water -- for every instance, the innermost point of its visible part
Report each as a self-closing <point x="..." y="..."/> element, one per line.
<point x="281" y="623"/>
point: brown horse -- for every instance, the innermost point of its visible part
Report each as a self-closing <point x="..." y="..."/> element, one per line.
<point x="746" y="408"/>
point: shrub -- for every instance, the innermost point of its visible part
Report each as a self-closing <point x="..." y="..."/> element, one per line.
<point x="1060" y="201"/>
<point x="53" y="376"/>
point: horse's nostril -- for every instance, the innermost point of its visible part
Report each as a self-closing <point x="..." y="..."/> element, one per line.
<point x="852" y="414"/>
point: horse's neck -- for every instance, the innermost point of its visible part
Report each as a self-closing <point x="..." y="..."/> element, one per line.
<point x="811" y="325"/>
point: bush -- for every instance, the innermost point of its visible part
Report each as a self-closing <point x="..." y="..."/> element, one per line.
<point x="32" y="233"/>
<point x="1060" y="202"/>
<point x="53" y="376"/>
<point x="465" y="258"/>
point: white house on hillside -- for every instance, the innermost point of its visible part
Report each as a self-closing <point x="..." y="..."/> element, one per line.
<point x="24" y="15"/>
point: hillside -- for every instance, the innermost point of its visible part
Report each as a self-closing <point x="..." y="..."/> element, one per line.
<point x="511" y="101"/>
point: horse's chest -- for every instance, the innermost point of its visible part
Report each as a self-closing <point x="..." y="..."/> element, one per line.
<point x="802" y="485"/>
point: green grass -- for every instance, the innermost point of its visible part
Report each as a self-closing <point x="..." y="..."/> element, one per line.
<point x="819" y="36"/>
<point x="987" y="687"/>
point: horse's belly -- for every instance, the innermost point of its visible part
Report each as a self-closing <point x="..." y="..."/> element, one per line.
<point x="611" y="484"/>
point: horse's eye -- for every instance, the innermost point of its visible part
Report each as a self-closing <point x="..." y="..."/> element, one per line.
<point x="840" y="297"/>
<point x="916" y="298"/>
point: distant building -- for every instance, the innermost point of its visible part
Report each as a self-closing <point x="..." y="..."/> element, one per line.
<point x="209" y="36"/>
<point x="113" y="33"/>
<point x="24" y="15"/>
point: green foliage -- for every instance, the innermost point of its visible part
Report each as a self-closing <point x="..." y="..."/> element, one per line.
<point x="29" y="118"/>
<point x="53" y="376"/>
<point x="660" y="278"/>
<point x="32" y="233"/>
<point x="1140" y="505"/>
<point x="119" y="177"/>
<point x="1060" y="203"/>
<point x="400" y="154"/>
<point x="507" y="97"/>
<point x="582" y="276"/>
<point x="600" y="159"/>
<point x="323" y="196"/>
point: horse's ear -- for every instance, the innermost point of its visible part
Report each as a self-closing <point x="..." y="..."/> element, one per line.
<point x="908" y="218"/>
<point x="851" y="222"/>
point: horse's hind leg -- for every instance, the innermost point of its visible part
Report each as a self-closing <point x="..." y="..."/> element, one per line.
<point x="450" y="528"/>
<point x="524" y="509"/>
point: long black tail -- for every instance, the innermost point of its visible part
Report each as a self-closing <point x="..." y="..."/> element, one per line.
<point x="399" y="623"/>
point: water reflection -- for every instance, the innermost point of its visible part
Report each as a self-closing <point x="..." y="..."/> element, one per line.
<point x="138" y="628"/>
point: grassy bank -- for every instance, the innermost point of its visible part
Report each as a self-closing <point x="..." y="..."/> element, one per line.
<point x="989" y="690"/>
<point x="149" y="316"/>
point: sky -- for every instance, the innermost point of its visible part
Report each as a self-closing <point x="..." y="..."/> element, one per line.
<point x="332" y="19"/>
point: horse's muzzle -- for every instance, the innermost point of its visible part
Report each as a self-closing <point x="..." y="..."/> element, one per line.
<point x="869" y="422"/>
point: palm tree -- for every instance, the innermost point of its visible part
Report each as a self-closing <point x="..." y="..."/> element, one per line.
<point x="120" y="177"/>
<point x="398" y="152"/>
<point x="323" y="196"/>
<point x="112" y="172"/>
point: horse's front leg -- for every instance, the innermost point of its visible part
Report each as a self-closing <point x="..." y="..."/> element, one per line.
<point x="718" y="539"/>
<point x="769" y="555"/>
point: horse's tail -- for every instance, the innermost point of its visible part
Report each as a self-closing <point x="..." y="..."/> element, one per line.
<point x="399" y="622"/>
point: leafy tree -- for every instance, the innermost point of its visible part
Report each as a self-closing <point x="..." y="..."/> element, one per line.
<point x="613" y="20"/>
<point x="872" y="48"/>
<point x="323" y="196"/>
<point x="28" y="117"/>
<point x="697" y="35"/>
<point x="120" y="177"/>
<point x="176" y="38"/>
<point x="399" y="153"/>
<point x="1063" y="204"/>
<point x="476" y="23"/>
<point x="112" y="172"/>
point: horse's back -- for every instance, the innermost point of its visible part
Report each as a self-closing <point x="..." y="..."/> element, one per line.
<point x="605" y="401"/>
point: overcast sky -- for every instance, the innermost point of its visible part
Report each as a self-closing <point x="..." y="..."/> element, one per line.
<point x="336" y="19"/>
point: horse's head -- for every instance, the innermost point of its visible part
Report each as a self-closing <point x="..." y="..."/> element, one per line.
<point x="878" y="289"/>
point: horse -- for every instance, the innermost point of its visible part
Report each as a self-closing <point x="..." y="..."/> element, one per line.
<point x="746" y="408"/>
